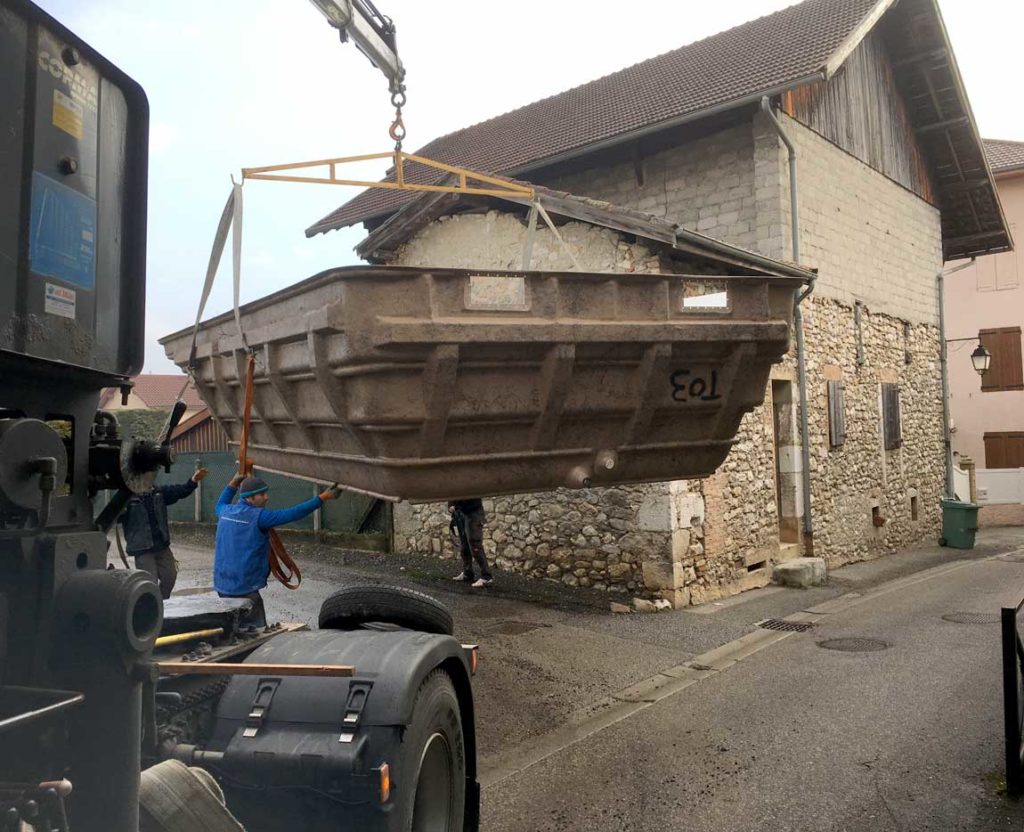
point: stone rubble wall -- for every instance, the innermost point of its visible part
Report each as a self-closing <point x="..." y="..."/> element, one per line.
<point x="848" y="481"/>
<point x="597" y="537"/>
<point x="697" y="541"/>
<point x="495" y="241"/>
<point x="872" y="240"/>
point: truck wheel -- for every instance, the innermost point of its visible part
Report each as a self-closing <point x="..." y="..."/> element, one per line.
<point x="432" y="771"/>
<point x="353" y="606"/>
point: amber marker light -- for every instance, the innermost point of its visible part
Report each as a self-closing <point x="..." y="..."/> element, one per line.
<point x="385" y="782"/>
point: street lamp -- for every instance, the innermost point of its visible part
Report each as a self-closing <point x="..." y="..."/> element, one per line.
<point x="981" y="358"/>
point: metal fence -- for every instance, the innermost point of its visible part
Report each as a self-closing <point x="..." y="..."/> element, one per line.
<point x="1013" y="699"/>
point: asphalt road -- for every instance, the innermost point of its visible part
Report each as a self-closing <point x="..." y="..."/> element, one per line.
<point x="797" y="737"/>
<point x="792" y="737"/>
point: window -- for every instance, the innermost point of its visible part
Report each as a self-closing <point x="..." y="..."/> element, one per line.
<point x="1006" y="372"/>
<point x="999" y="272"/>
<point x="1004" y="450"/>
<point x="836" y="414"/>
<point x="891" y="427"/>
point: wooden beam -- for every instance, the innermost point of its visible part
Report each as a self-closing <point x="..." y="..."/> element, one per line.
<point x="945" y="124"/>
<point x="966" y="185"/>
<point x="920" y="57"/>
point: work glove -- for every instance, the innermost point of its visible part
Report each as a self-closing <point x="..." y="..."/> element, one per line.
<point x="331" y="493"/>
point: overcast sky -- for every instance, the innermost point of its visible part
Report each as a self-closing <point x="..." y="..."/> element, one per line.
<point x="241" y="83"/>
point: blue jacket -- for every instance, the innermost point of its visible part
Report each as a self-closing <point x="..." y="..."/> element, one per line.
<point x="144" y="519"/>
<point x="241" y="558"/>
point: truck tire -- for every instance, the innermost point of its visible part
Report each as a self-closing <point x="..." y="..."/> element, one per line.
<point x="353" y="606"/>
<point x="431" y="776"/>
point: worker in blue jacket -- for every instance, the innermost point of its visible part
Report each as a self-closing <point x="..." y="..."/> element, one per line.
<point x="241" y="560"/>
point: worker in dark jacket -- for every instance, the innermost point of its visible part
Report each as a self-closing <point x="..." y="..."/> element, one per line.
<point x="467" y="527"/>
<point x="147" y="535"/>
<point x="241" y="562"/>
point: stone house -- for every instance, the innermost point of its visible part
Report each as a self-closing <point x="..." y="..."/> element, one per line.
<point x="888" y="179"/>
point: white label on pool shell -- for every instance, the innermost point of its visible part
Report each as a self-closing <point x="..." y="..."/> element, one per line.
<point x="497" y="292"/>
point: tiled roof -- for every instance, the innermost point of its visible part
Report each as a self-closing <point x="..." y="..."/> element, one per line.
<point x="770" y="53"/>
<point x="158" y="391"/>
<point x="1003" y="154"/>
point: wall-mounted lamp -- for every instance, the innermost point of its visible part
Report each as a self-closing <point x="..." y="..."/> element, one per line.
<point x="981" y="358"/>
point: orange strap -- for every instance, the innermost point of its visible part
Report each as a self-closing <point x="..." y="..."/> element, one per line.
<point x="282" y="566"/>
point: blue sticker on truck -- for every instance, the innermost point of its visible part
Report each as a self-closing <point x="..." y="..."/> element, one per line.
<point x="62" y="239"/>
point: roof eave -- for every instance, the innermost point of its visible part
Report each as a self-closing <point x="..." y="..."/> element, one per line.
<point x="972" y="123"/>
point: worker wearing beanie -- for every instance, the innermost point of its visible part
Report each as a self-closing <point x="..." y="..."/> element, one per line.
<point x="241" y="561"/>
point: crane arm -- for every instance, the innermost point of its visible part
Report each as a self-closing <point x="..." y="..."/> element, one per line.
<point x="371" y="32"/>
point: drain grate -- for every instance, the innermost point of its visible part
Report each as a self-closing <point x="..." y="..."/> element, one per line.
<point x="784" y="626"/>
<point x="854" y="645"/>
<point x="513" y="628"/>
<point x="972" y="617"/>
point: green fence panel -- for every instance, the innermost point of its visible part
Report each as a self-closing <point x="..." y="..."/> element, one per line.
<point x="351" y="512"/>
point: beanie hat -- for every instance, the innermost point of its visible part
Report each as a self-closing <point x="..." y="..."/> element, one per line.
<point x="251" y="486"/>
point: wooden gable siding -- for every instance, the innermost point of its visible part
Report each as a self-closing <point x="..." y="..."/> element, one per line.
<point x="205" y="437"/>
<point x="861" y="110"/>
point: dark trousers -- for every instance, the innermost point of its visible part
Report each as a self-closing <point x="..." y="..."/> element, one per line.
<point x="162" y="566"/>
<point x="469" y="536"/>
<point x="257" y="614"/>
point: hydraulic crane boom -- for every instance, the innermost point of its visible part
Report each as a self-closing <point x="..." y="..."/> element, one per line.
<point x="371" y="32"/>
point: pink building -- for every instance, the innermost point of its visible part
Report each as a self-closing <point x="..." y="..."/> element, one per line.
<point x="986" y="301"/>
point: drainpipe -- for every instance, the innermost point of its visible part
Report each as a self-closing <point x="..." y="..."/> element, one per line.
<point x="947" y="437"/>
<point x="798" y="325"/>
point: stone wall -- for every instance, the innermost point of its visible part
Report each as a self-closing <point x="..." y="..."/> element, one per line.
<point x="597" y="537"/>
<point x="495" y="241"/>
<point x="848" y="481"/>
<point x="874" y="242"/>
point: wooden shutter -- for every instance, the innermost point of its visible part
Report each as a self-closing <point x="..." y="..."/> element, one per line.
<point x="1006" y="371"/>
<point x="892" y="432"/>
<point x="1004" y="450"/>
<point x="836" y="414"/>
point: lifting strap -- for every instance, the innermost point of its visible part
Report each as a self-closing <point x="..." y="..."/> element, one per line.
<point x="282" y="566"/>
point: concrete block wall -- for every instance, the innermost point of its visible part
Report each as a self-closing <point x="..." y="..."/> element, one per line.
<point x="870" y="238"/>
<point x="708" y="186"/>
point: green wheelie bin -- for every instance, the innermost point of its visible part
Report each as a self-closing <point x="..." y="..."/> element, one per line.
<point x="959" y="524"/>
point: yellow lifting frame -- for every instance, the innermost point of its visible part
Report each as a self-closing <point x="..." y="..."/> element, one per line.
<point x="502" y="188"/>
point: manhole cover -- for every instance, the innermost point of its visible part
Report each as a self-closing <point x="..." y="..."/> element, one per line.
<point x="854" y="645"/>
<point x="785" y="626"/>
<point x="972" y="617"/>
<point x="513" y="628"/>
